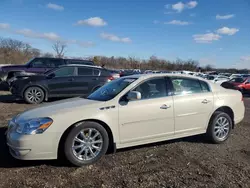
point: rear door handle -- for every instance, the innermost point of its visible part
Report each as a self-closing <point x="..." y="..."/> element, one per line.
<point x="205" y="101"/>
<point x="94" y="78"/>
<point x="164" y="106"/>
<point x="71" y="79"/>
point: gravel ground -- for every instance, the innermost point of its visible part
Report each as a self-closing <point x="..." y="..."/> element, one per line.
<point x="188" y="162"/>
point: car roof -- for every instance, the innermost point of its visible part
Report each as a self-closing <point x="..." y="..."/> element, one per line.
<point x="145" y="76"/>
<point x="63" y="59"/>
<point x="79" y="65"/>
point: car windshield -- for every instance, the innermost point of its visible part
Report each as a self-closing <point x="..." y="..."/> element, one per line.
<point x="110" y="90"/>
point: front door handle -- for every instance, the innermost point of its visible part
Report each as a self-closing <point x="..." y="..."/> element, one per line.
<point x="164" y="106"/>
<point x="205" y="101"/>
<point x="71" y="79"/>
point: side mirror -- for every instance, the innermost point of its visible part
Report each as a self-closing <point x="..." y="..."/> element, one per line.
<point x="247" y="82"/>
<point x="134" y="95"/>
<point x="52" y="75"/>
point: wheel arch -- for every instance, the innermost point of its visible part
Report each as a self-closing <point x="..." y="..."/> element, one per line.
<point x="111" y="147"/>
<point x="34" y="85"/>
<point x="225" y="109"/>
<point x="12" y="72"/>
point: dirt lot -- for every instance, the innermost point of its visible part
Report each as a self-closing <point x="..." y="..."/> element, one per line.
<point x="189" y="162"/>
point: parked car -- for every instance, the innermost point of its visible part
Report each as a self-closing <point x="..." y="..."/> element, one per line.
<point x="36" y="65"/>
<point x="115" y="73"/>
<point x="220" y="79"/>
<point x="241" y="84"/>
<point x="128" y="111"/>
<point x="65" y="81"/>
<point x="127" y="73"/>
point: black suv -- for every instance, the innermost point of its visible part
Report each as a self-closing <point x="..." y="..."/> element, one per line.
<point x="37" y="65"/>
<point x="65" y="81"/>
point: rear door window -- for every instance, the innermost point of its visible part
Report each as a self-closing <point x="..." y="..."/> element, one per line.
<point x="96" y="72"/>
<point x="65" y="71"/>
<point x="183" y="86"/>
<point x="38" y="63"/>
<point x="82" y="71"/>
<point x="204" y="86"/>
<point x="53" y="63"/>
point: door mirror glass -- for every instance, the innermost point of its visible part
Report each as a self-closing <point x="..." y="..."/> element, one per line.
<point x="134" y="95"/>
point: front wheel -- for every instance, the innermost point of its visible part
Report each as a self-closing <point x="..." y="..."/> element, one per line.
<point x="34" y="95"/>
<point x="219" y="128"/>
<point x="86" y="143"/>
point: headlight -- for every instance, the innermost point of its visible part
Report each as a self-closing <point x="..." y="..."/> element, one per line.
<point x="33" y="126"/>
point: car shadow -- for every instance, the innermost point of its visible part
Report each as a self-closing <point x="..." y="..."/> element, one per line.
<point x="191" y="139"/>
<point x="8" y="98"/>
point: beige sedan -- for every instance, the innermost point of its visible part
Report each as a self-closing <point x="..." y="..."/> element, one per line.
<point x="126" y="112"/>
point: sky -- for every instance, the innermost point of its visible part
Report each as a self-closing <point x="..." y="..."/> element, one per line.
<point x="215" y="32"/>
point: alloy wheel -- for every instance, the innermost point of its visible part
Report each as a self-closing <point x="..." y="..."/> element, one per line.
<point x="87" y="144"/>
<point x="221" y="128"/>
<point x="34" y="95"/>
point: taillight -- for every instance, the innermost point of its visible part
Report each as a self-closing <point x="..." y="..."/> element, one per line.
<point x="110" y="78"/>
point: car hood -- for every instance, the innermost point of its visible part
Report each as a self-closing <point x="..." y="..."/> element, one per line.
<point x="12" y="66"/>
<point x="48" y="110"/>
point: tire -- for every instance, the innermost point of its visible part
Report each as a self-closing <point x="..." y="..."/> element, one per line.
<point x="79" y="153"/>
<point x="34" y="95"/>
<point x="215" y="131"/>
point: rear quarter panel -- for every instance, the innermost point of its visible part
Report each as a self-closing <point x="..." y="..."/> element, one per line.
<point x="232" y="99"/>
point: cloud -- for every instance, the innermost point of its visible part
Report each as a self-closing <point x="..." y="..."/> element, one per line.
<point x="178" y="22"/>
<point x="50" y="36"/>
<point x="206" y="38"/>
<point x="4" y="26"/>
<point x="93" y="21"/>
<point x="115" y="38"/>
<point x="227" y="31"/>
<point x="55" y="7"/>
<point x="192" y="15"/>
<point x="32" y="34"/>
<point x="191" y="4"/>
<point x="179" y="7"/>
<point x="80" y="43"/>
<point x="245" y="58"/>
<point x="224" y="17"/>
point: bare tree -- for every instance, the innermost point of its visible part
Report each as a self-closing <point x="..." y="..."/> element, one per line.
<point x="60" y="48"/>
<point x="15" y="52"/>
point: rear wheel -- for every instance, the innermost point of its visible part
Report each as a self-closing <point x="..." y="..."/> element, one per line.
<point x="34" y="95"/>
<point x="86" y="143"/>
<point x="219" y="128"/>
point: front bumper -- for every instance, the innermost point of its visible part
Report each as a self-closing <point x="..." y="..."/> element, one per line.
<point x="32" y="147"/>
